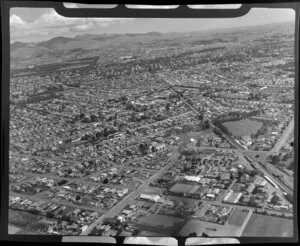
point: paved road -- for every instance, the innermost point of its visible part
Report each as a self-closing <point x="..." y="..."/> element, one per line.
<point x="129" y="198"/>
<point x="259" y="152"/>
<point x="229" y="139"/>
<point x="284" y="137"/>
<point x="115" y="210"/>
<point x="220" y="203"/>
<point x="278" y="182"/>
<point x="44" y="199"/>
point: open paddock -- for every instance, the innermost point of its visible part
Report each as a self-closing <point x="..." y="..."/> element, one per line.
<point x="268" y="226"/>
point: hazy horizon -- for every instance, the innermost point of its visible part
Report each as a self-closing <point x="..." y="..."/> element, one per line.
<point x="44" y="24"/>
<point x="124" y="33"/>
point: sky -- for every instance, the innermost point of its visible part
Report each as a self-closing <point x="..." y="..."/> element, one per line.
<point x="38" y="24"/>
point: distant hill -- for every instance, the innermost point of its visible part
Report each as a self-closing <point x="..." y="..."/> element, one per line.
<point x="52" y="49"/>
<point x="109" y="45"/>
<point x="54" y="42"/>
<point x="17" y="45"/>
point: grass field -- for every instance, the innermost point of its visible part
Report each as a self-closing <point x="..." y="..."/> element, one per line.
<point x="178" y="188"/>
<point x="243" y="127"/>
<point x="162" y="222"/>
<point x="208" y="228"/>
<point x="21" y="219"/>
<point x="268" y="226"/>
<point x="13" y="229"/>
<point x="145" y="233"/>
<point x="237" y="218"/>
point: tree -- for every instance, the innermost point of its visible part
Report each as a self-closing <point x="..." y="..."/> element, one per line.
<point x="93" y="118"/>
<point x="94" y="232"/>
<point x="200" y="117"/>
<point x="167" y="107"/>
<point x="119" y="231"/>
<point x="98" y="134"/>
<point x="274" y="159"/>
<point x="62" y="182"/>
<point x="50" y="215"/>
<point x="252" y="202"/>
<point x="255" y="191"/>
<point x="206" y="124"/>
<point x="192" y="234"/>
<point x="144" y="148"/>
<point x="275" y="199"/>
<point x="135" y="232"/>
<point x="34" y="211"/>
<point x="81" y="116"/>
<point x="289" y="197"/>
<point x="66" y="218"/>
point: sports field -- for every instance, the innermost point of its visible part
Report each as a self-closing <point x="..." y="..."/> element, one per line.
<point x="268" y="226"/>
<point x="243" y="127"/>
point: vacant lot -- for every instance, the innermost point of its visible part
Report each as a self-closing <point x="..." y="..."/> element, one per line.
<point x="237" y="218"/>
<point x="243" y="127"/>
<point x="268" y="226"/>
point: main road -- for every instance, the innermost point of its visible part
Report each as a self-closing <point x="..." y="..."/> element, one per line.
<point x="283" y="138"/>
<point x="229" y="139"/>
<point x="129" y="198"/>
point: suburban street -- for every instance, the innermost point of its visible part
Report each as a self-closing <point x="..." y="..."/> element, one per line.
<point x="145" y="131"/>
<point x="129" y="198"/>
<point x="282" y="139"/>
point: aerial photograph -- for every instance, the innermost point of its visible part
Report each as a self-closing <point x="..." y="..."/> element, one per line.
<point x="152" y="126"/>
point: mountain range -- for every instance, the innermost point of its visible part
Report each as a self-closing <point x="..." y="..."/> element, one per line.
<point x="87" y="44"/>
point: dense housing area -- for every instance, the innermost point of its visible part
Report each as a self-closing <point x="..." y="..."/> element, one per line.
<point x="155" y="134"/>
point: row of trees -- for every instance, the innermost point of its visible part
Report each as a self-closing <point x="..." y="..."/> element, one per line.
<point x="34" y="99"/>
<point x="235" y="115"/>
<point x="50" y="89"/>
<point x="264" y="212"/>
